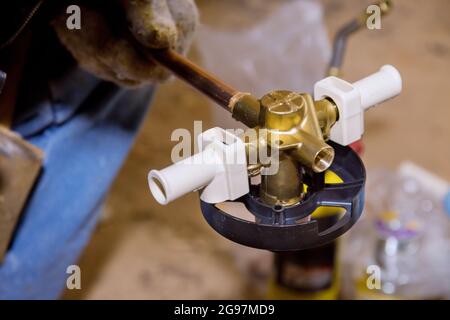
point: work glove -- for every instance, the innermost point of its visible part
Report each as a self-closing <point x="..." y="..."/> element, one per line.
<point x="106" y="43"/>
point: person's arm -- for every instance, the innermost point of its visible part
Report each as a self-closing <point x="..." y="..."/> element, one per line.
<point x="103" y="47"/>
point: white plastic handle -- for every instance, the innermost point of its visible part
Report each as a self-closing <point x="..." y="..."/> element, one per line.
<point x="379" y="87"/>
<point x="219" y="171"/>
<point x="352" y="99"/>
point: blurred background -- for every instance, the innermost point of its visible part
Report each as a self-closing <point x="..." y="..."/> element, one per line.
<point x="142" y="250"/>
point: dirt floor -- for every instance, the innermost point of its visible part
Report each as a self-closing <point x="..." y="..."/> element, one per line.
<point x="143" y="250"/>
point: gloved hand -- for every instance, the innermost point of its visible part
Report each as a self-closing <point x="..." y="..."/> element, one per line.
<point x="103" y="47"/>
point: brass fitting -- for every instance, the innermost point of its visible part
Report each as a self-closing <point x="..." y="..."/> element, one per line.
<point x="285" y="187"/>
<point x="293" y="124"/>
<point x="328" y="115"/>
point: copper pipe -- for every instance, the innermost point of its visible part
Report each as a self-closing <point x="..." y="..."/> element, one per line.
<point x="194" y="75"/>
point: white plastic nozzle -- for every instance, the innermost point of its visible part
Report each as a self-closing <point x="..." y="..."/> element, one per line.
<point x="353" y="99"/>
<point x="219" y="170"/>
<point x="379" y="87"/>
<point x="182" y="177"/>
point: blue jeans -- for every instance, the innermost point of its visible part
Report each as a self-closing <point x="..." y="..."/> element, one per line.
<point x="86" y="128"/>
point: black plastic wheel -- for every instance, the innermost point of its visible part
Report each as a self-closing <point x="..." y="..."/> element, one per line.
<point x="278" y="229"/>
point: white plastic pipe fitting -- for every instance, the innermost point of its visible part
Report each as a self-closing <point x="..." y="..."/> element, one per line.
<point x="379" y="87"/>
<point x="353" y="99"/>
<point x="219" y="171"/>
